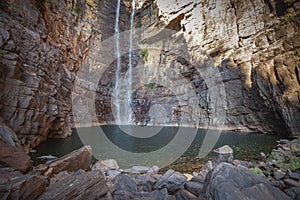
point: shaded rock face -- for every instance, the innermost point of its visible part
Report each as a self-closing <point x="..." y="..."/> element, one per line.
<point x="42" y="44"/>
<point x="229" y="182"/>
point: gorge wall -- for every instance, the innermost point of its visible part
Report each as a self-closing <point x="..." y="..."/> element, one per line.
<point x="253" y="44"/>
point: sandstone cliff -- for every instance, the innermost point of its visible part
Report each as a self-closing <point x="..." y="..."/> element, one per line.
<point x="254" y="44"/>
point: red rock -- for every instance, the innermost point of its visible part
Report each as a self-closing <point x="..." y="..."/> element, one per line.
<point x="14" y="157"/>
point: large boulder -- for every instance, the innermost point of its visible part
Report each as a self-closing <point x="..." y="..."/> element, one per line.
<point x="78" y="159"/>
<point x="228" y="182"/>
<point x="77" y="185"/>
<point x="15" y="185"/>
<point x="14" y="157"/>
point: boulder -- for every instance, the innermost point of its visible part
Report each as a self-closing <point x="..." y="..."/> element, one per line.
<point x="227" y="181"/>
<point x="77" y="185"/>
<point x="14" y="157"/>
<point x="15" y="185"/>
<point x="78" y="159"/>
<point x="8" y="135"/>
<point x="225" y="154"/>
<point x="194" y="187"/>
<point x="185" y="195"/>
<point x="175" y="182"/>
<point x="126" y="183"/>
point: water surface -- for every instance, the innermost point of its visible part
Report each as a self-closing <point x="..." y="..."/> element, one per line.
<point x="246" y="146"/>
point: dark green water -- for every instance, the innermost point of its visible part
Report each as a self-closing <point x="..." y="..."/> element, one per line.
<point x="246" y="146"/>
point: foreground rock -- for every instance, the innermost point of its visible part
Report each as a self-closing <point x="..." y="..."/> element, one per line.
<point x="236" y="182"/>
<point x="78" y="159"/>
<point x="15" y="185"/>
<point x="14" y="157"/>
<point x="77" y="185"/>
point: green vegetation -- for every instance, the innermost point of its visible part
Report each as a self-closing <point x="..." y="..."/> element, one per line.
<point x="294" y="163"/>
<point x="145" y="54"/>
<point x="151" y="86"/>
<point x="256" y="171"/>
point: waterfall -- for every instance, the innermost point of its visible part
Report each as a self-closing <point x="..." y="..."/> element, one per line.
<point x="118" y="70"/>
<point x="129" y="91"/>
<point x="122" y="101"/>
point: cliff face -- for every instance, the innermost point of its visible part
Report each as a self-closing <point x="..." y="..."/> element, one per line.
<point x="254" y="45"/>
<point x="42" y="45"/>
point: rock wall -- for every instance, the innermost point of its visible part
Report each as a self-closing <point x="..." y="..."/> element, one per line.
<point x="254" y="45"/>
<point x="42" y="45"/>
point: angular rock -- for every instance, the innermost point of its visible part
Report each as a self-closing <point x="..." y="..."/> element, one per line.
<point x="78" y="159"/>
<point x="198" y="179"/>
<point x="163" y="178"/>
<point x="295" y="176"/>
<point x="278" y="175"/>
<point x="291" y="182"/>
<point x="14" y="157"/>
<point x="109" y="163"/>
<point x="229" y="182"/>
<point x="14" y="185"/>
<point x="184" y="195"/>
<point x="78" y="185"/>
<point x="156" y="194"/>
<point x="8" y="135"/>
<point x="175" y="182"/>
<point x="224" y="150"/>
<point x="194" y="187"/>
<point x="141" y="169"/>
<point x="126" y="183"/>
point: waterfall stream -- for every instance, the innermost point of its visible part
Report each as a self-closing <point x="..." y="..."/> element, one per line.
<point x="129" y="90"/>
<point x="118" y="70"/>
<point x="123" y="111"/>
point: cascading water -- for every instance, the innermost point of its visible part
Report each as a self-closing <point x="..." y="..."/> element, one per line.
<point x="129" y="90"/>
<point x="122" y="102"/>
<point x="118" y="70"/>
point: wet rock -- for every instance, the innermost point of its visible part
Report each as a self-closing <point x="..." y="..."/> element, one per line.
<point x="78" y="185"/>
<point x="229" y="182"/>
<point x="14" y="157"/>
<point x="194" y="187"/>
<point x="78" y="159"/>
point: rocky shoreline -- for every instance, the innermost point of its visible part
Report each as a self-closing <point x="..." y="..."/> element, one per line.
<point x="74" y="176"/>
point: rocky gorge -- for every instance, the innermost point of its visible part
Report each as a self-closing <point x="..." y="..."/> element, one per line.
<point x="74" y="176"/>
<point x="218" y="65"/>
<point x="254" y="47"/>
